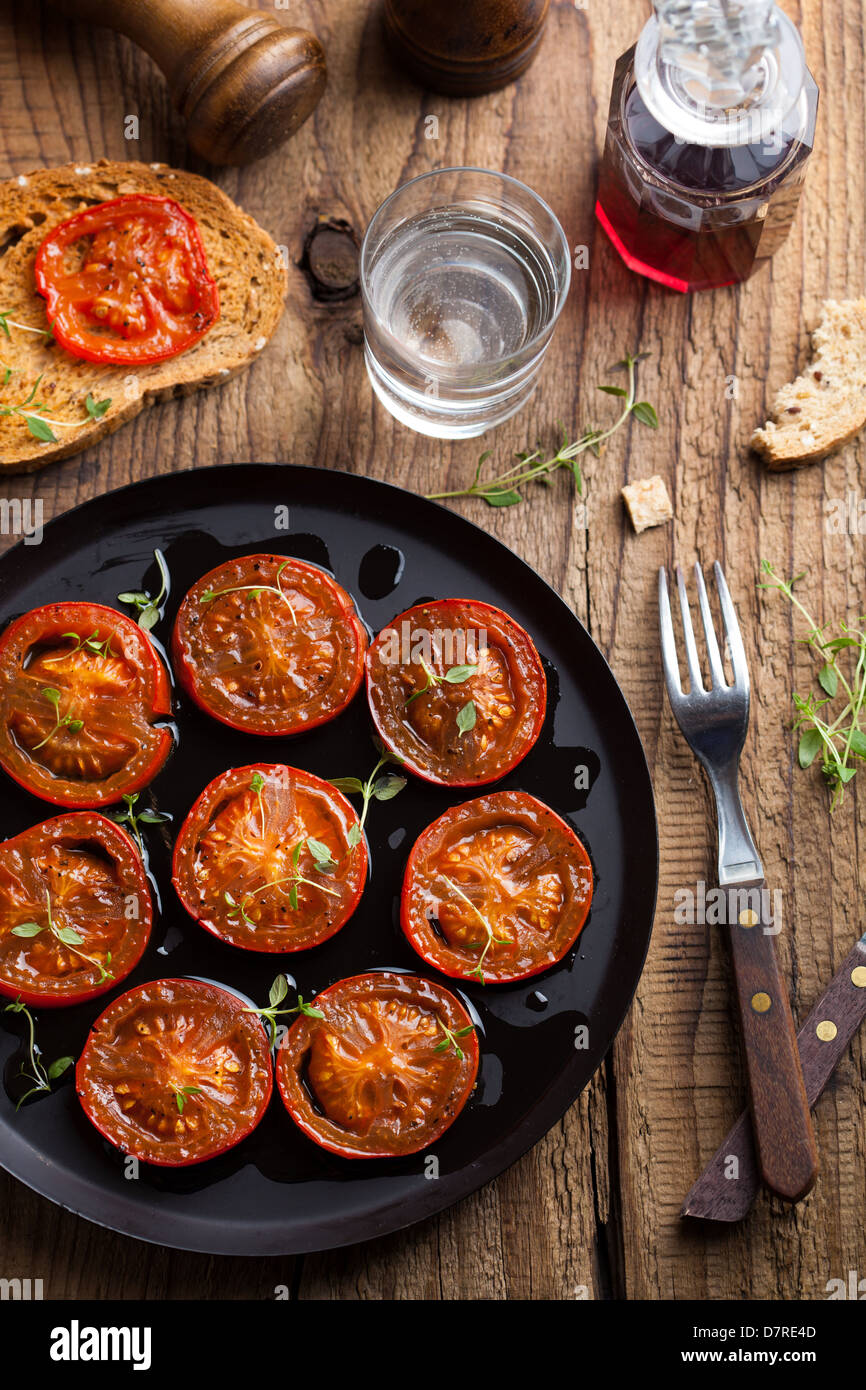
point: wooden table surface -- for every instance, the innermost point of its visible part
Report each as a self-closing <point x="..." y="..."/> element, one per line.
<point x="593" y="1209"/>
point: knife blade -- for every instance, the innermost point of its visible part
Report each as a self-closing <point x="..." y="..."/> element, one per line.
<point x="730" y="1182"/>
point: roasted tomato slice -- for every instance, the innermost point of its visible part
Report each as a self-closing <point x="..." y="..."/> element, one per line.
<point x="269" y="644"/>
<point x="75" y="910"/>
<point x="175" y="1071"/>
<point x="271" y="859"/>
<point x="457" y="691"/>
<point x="81" y="691"/>
<point x="496" y="889"/>
<point x="385" y="1070"/>
<point x="127" y="281"/>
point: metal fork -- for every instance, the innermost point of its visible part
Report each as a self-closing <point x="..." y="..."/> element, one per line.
<point x="714" y="722"/>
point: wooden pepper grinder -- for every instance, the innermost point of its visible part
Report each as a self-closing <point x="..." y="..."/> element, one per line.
<point x="465" y="47"/>
<point x="242" y="81"/>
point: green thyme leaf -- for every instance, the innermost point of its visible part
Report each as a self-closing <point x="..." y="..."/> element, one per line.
<point x="279" y="990"/>
<point x="828" y="680"/>
<point x="388" y="786"/>
<point x="40" y="429"/>
<point x="458" y="674"/>
<point x="351" y="785"/>
<point x="646" y="414"/>
<point x="466" y="718"/>
<point x="69" y="936"/>
<point x="96" y="409"/>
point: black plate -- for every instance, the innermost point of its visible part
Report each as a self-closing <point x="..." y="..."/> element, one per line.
<point x="278" y="1193"/>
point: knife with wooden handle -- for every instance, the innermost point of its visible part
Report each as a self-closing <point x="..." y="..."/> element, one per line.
<point x="730" y="1183"/>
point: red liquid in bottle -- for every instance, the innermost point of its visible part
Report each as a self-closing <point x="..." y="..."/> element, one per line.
<point x="694" y="217"/>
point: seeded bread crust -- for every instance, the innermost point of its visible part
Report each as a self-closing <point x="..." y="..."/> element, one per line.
<point x="242" y="258"/>
<point x="826" y="406"/>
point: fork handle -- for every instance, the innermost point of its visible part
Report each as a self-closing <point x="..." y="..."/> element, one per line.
<point x="784" y="1140"/>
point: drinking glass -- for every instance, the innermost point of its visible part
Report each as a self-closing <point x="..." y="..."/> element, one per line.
<point x="464" y="273"/>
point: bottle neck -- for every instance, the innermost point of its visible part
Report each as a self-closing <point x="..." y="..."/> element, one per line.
<point x="696" y="103"/>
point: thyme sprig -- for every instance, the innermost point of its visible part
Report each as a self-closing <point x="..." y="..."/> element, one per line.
<point x="68" y="936"/>
<point x="66" y="721"/>
<point x="40" y="1075"/>
<point x="450" y="1040"/>
<point x="455" y="675"/>
<point x="135" y="819"/>
<point x="254" y="590"/>
<point x="836" y="736"/>
<point x="182" y="1094"/>
<point x="374" y="789"/>
<point x="35" y="412"/>
<point x="506" y="489"/>
<point x="149" y="608"/>
<point x="278" y="992"/>
<point x="90" y="644"/>
<point x="491" y="938"/>
<point x="7" y="323"/>
<point x="324" y="864"/>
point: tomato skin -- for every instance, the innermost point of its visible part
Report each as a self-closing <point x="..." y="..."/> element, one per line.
<point x="460" y="761"/>
<point x="263" y="635"/>
<point x="149" y="694"/>
<point x="506" y="826"/>
<point x="404" y="992"/>
<point x="220" y="1007"/>
<point x="336" y="817"/>
<point x="78" y="829"/>
<point x="118" y="222"/>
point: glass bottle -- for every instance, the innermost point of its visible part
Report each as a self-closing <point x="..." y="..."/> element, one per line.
<point x="711" y="123"/>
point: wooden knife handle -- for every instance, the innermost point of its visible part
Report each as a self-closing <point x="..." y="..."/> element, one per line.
<point x="242" y="81"/>
<point x="785" y="1143"/>
<point x="730" y="1182"/>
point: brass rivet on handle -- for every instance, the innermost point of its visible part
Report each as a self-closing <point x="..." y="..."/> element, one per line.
<point x="761" y="1002"/>
<point x="748" y="917"/>
<point x="826" y="1030"/>
<point x="858" y="976"/>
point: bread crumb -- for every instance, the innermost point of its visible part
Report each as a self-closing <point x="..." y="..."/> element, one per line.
<point x="83" y="169"/>
<point x="22" y="180"/>
<point x="826" y="406"/>
<point x="259" y="344"/>
<point x="647" y="502"/>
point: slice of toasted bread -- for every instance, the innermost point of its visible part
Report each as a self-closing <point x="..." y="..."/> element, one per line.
<point x="244" y="261"/>
<point x="826" y="406"/>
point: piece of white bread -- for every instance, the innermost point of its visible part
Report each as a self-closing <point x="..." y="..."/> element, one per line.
<point x="648" y="502"/>
<point x="826" y="406"/>
<point x="249" y="270"/>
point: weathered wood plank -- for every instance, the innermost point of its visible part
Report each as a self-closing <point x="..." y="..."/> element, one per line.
<point x="595" y="1205"/>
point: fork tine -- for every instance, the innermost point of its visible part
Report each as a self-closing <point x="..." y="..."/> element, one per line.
<point x="669" y="646"/>
<point x="732" y="631"/>
<point x="695" y="679"/>
<point x="716" y="671"/>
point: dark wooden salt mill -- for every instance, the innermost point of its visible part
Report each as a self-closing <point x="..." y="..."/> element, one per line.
<point x="242" y="81"/>
<point x="465" y="47"/>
